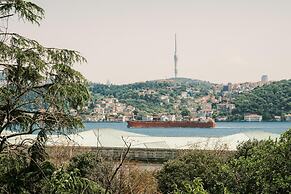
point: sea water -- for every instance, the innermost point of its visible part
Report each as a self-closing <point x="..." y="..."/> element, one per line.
<point x="222" y="129"/>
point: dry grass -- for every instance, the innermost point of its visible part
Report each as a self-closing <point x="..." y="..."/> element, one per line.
<point x="135" y="180"/>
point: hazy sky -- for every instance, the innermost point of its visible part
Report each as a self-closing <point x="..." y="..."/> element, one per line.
<point x="126" y="41"/>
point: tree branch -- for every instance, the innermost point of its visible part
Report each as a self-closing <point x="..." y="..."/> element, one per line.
<point x="6" y="16"/>
<point x="120" y="164"/>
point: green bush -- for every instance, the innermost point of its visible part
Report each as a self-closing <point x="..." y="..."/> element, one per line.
<point x="64" y="182"/>
<point x="256" y="167"/>
<point x="19" y="174"/>
<point x="194" y="187"/>
<point x="92" y="167"/>
<point x="202" y="164"/>
<point x="266" y="168"/>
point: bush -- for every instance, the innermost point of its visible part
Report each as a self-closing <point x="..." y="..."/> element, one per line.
<point x="265" y="169"/>
<point x="202" y="164"/>
<point x="93" y="167"/>
<point x="18" y="175"/>
<point x="194" y="187"/>
<point x="256" y="167"/>
<point x="65" y="182"/>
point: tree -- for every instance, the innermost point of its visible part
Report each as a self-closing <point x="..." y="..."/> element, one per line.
<point x="185" y="112"/>
<point x="39" y="86"/>
<point x="269" y="100"/>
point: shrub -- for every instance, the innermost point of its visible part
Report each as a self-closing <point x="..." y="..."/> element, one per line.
<point x="190" y="166"/>
<point x="194" y="187"/>
<point x="65" y="182"/>
<point x="266" y="169"/>
<point x="93" y="167"/>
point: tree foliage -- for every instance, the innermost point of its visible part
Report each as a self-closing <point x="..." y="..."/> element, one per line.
<point x="195" y="164"/>
<point x="269" y="100"/>
<point x="20" y="174"/>
<point x="262" y="167"/>
<point x="38" y="89"/>
<point x="256" y="167"/>
<point x="67" y="182"/>
<point x="93" y="167"/>
<point x="150" y="101"/>
<point x="194" y="187"/>
<point x="39" y="85"/>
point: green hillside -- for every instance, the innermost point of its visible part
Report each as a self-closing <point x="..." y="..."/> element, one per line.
<point x="269" y="100"/>
<point x="146" y="96"/>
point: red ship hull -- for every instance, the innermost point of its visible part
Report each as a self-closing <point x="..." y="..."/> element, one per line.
<point x="171" y="124"/>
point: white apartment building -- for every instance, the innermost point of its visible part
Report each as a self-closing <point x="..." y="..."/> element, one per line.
<point x="253" y="118"/>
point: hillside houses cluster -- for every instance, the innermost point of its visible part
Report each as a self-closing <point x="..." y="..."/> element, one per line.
<point x="181" y="103"/>
<point x="110" y="109"/>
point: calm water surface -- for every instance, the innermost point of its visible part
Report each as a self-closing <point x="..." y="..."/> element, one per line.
<point x="222" y="129"/>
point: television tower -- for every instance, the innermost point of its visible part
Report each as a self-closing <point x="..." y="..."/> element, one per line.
<point x="175" y="58"/>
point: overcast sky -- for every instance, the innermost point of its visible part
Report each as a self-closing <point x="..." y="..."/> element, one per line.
<point x="127" y="41"/>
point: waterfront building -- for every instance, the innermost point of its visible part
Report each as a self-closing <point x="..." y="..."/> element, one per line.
<point x="288" y="117"/>
<point x="221" y="118"/>
<point x="277" y="118"/>
<point x="253" y="118"/>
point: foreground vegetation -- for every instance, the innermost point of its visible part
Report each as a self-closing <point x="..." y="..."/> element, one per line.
<point x="256" y="167"/>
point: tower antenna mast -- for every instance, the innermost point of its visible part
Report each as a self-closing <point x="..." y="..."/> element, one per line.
<point x="175" y="58"/>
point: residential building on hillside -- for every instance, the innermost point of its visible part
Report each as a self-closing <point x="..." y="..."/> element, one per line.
<point x="147" y="118"/>
<point x="264" y="78"/>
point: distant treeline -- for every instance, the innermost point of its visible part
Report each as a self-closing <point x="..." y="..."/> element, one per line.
<point x="269" y="100"/>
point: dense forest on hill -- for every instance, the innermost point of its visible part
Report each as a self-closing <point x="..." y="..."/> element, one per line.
<point x="146" y="96"/>
<point x="268" y="101"/>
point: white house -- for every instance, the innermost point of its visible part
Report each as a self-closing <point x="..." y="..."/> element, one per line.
<point x="253" y="118"/>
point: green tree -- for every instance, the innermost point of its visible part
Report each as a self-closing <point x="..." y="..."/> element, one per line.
<point x="269" y="100"/>
<point x="185" y="112"/>
<point x="39" y="88"/>
<point x="39" y="85"/>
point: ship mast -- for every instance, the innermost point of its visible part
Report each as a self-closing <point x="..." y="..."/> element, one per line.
<point x="175" y="58"/>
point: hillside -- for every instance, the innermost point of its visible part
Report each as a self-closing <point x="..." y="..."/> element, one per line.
<point x="268" y="101"/>
<point x="150" y="96"/>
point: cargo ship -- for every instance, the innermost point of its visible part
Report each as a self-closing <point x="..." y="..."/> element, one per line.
<point x="209" y="123"/>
